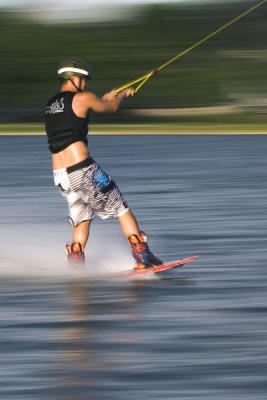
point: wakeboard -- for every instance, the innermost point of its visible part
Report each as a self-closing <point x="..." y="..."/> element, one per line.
<point x="156" y="269"/>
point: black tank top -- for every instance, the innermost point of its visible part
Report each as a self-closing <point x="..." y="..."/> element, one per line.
<point x="62" y="126"/>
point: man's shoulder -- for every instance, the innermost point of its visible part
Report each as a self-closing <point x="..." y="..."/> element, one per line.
<point x="84" y="95"/>
<point x="84" y="99"/>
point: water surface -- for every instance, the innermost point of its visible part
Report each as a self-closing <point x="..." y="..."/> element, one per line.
<point x="196" y="333"/>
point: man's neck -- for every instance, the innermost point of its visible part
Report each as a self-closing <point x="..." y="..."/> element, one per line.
<point x="68" y="88"/>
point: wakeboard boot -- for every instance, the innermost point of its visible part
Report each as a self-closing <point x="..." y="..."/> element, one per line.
<point x="75" y="253"/>
<point x="143" y="256"/>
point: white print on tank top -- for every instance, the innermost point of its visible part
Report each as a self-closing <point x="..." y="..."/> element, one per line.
<point x="56" y="107"/>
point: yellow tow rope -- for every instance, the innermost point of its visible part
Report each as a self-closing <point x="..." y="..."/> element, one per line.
<point x="142" y="79"/>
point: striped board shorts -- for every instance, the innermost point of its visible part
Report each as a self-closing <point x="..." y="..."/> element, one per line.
<point x="88" y="190"/>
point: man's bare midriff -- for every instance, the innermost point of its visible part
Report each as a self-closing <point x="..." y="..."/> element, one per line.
<point x="73" y="154"/>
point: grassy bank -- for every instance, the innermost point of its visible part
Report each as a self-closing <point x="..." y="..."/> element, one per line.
<point x="38" y="129"/>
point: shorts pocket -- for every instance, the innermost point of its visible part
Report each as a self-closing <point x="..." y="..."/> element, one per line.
<point x="61" y="180"/>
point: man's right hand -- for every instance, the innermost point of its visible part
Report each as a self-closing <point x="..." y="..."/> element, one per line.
<point x="113" y="93"/>
<point x="128" y="92"/>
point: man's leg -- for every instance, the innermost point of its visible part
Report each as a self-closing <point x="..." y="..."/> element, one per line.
<point x="129" y="224"/>
<point x="75" y="250"/>
<point x="80" y="233"/>
<point x="141" y="253"/>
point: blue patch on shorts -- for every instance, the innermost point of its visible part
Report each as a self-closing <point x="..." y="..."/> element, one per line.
<point x="101" y="178"/>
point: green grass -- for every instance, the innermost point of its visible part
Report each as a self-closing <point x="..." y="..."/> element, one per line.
<point x="164" y="128"/>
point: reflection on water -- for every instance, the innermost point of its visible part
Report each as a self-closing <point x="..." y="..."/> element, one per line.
<point x="199" y="333"/>
<point x="153" y="339"/>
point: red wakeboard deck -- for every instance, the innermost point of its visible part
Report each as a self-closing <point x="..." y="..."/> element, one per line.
<point x="156" y="269"/>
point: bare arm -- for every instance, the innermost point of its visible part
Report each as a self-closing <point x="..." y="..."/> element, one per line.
<point x="110" y="102"/>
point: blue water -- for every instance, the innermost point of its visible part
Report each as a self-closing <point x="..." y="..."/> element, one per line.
<point x="200" y="332"/>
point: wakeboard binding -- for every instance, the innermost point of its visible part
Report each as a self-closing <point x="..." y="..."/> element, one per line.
<point x="75" y="253"/>
<point x="143" y="256"/>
